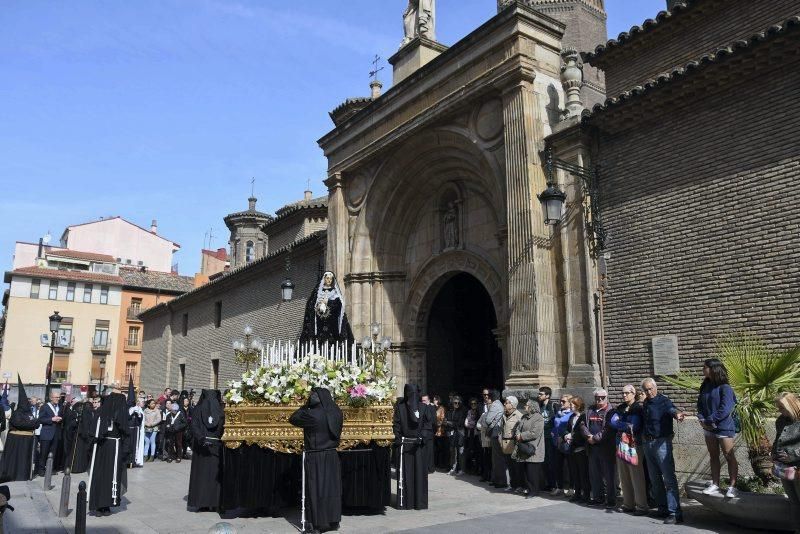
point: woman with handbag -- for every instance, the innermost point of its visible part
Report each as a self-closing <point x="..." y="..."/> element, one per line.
<point x="574" y="445"/>
<point x="786" y="450"/>
<point x="529" y="452"/>
<point x="627" y="421"/>
<point x="715" y="412"/>
<point x="508" y="443"/>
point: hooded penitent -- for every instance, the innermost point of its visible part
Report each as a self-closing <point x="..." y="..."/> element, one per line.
<point x="22" y="417"/>
<point x="208" y="419"/>
<point x="411" y="400"/>
<point x="333" y="413"/>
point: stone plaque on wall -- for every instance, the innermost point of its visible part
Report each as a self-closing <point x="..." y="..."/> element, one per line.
<point x="665" y="355"/>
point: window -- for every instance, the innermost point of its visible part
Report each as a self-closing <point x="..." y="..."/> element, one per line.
<point x="100" y="339"/>
<point x="136" y="306"/>
<point x="103" y="294"/>
<point x="70" y="290"/>
<point x="127" y="262"/>
<point x="60" y="368"/>
<point x="215" y="374"/>
<point x="52" y="293"/>
<point x="65" y="332"/>
<point x="133" y="336"/>
<point x="217" y="314"/>
<point x="183" y="375"/>
<point x="130" y="372"/>
<point x="140" y="263"/>
<point x="250" y="252"/>
<point x="87" y="292"/>
<point x="35" y="284"/>
<point x="185" y="325"/>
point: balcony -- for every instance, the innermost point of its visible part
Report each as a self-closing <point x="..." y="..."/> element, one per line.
<point x="133" y="313"/>
<point x="133" y="345"/>
<point x="101" y="346"/>
<point x="65" y="347"/>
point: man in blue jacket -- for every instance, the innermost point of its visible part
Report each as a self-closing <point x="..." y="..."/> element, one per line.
<point x="657" y="437"/>
<point x="49" y="437"/>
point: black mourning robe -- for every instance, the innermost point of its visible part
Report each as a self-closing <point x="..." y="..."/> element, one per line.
<point x="410" y="418"/>
<point x="17" y="455"/>
<point x="322" y="330"/>
<point x="108" y="455"/>
<point x="132" y="440"/>
<point x="322" y="430"/>
<point x="205" y="478"/>
<point x="427" y="432"/>
<point x="76" y="446"/>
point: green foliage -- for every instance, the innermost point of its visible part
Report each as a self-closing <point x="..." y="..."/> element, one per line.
<point x="756" y="485"/>
<point x="757" y="374"/>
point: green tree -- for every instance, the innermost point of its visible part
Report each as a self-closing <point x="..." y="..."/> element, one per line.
<point x="757" y="374"/>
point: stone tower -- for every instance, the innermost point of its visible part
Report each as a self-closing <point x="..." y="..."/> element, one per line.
<point x="586" y="28"/>
<point x="248" y="242"/>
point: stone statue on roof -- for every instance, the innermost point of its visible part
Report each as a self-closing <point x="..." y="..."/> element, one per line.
<point x="419" y="20"/>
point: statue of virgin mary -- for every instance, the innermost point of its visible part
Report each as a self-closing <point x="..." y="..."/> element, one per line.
<point x="325" y="320"/>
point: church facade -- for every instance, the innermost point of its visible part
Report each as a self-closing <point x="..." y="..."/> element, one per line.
<point x="434" y="225"/>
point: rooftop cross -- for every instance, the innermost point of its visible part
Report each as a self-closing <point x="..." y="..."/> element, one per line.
<point x="375" y="70"/>
<point x="253" y="187"/>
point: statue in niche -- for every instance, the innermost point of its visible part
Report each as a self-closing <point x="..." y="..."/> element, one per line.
<point x="450" y="225"/>
<point x="419" y="20"/>
<point x="325" y="320"/>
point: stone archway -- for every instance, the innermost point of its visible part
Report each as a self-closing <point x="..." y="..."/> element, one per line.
<point x="429" y="284"/>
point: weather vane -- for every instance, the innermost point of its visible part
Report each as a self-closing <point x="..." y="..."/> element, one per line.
<point x="374" y="73"/>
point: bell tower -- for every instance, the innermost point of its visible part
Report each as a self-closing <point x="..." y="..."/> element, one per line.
<point x="586" y="28"/>
<point x="248" y="242"/>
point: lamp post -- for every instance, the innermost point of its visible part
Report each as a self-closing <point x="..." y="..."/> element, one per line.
<point x="287" y="286"/>
<point x="553" y="198"/>
<point x="102" y="374"/>
<point x="247" y="350"/>
<point x="372" y="348"/>
<point x="55" y="322"/>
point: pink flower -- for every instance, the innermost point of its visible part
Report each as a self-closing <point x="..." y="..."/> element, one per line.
<point x="359" y="390"/>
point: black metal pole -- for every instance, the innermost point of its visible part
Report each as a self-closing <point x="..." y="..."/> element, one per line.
<point x="80" y="509"/>
<point x="50" y="366"/>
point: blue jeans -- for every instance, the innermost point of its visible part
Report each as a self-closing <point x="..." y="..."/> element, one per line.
<point x="150" y="443"/>
<point x="661" y="468"/>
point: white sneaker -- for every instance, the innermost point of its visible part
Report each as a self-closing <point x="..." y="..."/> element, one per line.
<point x="732" y="493"/>
<point x="711" y="489"/>
<point x="508" y="488"/>
<point x="451" y="472"/>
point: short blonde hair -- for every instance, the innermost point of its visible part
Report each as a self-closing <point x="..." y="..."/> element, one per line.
<point x="789" y="401"/>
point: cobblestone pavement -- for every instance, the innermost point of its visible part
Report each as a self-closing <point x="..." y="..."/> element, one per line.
<point x="156" y="502"/>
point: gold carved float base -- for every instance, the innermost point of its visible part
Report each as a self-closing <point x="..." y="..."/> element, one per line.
<point x="267" y="425"/>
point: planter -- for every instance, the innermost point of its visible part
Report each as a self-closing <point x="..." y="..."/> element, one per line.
<point x="267" y="426"/>
<point x="760" y="511"/>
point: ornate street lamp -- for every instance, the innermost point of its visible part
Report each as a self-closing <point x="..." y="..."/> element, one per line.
<point x="249" y="349"/>
<point x="286" y="289"/>
<point x="553" y="199"/>
<point x="102" y="374"/>
<point x="55" y="322"/>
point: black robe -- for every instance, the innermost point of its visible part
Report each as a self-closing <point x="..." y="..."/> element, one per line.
<point x="427" y="432"/>
<point x="322" y="430"/>
<point x="76" y="446"/>
<point x="132" y="440"/>
<point x="410" y="419"/>
<point x="205" y="478"/>
<point x="111" y="429"/>
<point x="16" y="461"/>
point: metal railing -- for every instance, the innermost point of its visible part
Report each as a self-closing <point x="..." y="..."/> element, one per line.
<point x="133" y="313"/>
<point x="133" y="344"/>
<point x="103" y="346"/>
<point x="66" y="347"/>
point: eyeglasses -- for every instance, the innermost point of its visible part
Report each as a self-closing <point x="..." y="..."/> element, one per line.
<point x="485" y="394"/>
<point x="627" y="392"/>
<point x="599" y="397"/>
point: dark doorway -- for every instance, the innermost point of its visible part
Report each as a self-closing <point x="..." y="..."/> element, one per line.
<point x="462" y="354"/>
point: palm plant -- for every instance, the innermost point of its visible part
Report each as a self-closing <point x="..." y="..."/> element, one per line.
<point x="757" y="374"/>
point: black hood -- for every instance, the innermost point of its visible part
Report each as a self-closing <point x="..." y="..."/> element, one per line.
<point x="411" y="400"/>
<point x="333" y="413"/>
<point x="131" y="392"/>
<point x="210" y="405"/>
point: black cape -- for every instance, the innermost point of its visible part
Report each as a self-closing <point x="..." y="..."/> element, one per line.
<point x="322" y="430"/>
<point x="410" y="425"/>
<point x="16" y="460"/>
<point x="111" y="429"/>
<point x="205" y="478"/>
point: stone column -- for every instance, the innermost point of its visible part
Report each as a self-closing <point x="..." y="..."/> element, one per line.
<point x="531" y="337"/>
<point x="336" y="255"/>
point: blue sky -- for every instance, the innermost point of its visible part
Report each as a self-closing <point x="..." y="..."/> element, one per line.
<point x="165" y="109"/>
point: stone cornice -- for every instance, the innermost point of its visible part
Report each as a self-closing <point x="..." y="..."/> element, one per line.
<point x="467" y="70"/>
<point x="387" y="276"/>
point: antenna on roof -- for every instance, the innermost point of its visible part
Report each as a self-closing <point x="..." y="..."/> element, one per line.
<point x="253" y="187"/>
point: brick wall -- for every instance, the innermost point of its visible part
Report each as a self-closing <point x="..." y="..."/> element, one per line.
<point x="710" y="25"/>
<point x="251" y="296"/>
<point x="692" y="253"/>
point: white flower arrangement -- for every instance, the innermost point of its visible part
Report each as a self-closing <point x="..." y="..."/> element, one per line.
<point x="292" y="382"/>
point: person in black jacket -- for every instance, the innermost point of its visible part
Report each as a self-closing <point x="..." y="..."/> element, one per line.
<point x="321" y="420"/>
<point x="175" y="425"/>
<point x="205" y="478"/>
<point x="454" y="427"/>
<point x="600" y="437"/>
<point x="575" y="446"/>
